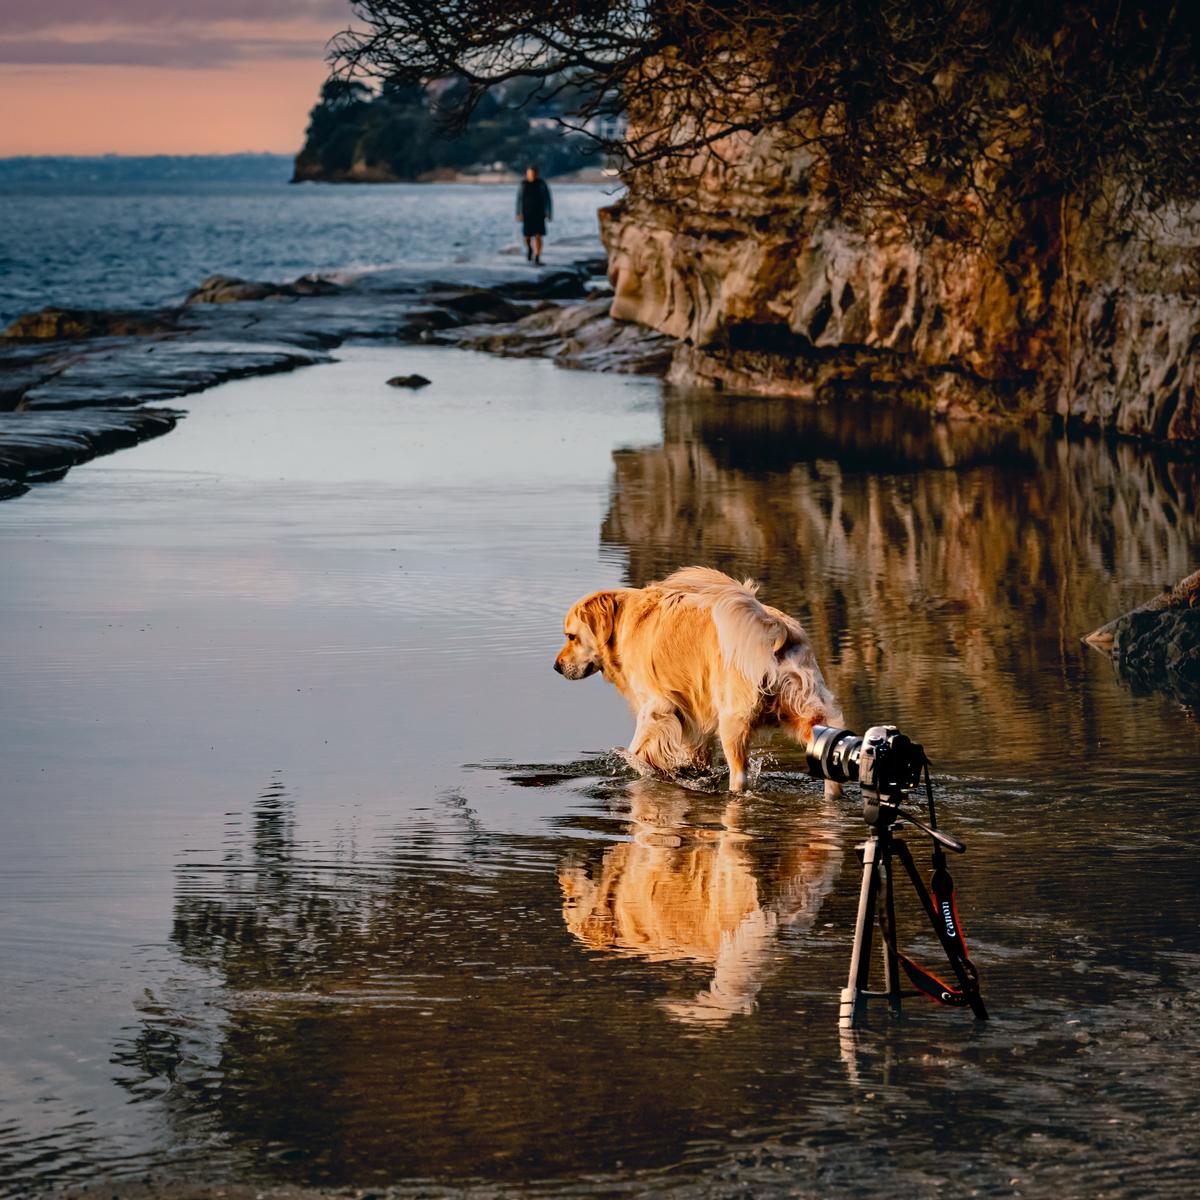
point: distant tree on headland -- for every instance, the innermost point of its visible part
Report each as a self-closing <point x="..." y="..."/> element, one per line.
<point x="900" y="99"/>
<point x="402" y="131"/>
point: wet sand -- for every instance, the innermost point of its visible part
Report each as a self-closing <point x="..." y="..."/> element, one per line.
<point x="315" y="875"/>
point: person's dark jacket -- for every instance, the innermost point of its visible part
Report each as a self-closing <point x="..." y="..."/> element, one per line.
<point x="534" y="205"/>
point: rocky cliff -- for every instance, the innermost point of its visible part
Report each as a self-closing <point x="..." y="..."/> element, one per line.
<point x="1056" y="310"/>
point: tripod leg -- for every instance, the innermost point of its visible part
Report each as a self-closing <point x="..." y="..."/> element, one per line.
<point x="887" y="921"/>
<point x="860" y="955"/>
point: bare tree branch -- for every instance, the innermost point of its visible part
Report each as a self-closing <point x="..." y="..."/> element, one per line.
<point x="901" y="104"/>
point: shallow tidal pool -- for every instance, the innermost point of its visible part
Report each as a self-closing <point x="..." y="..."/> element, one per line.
<point x="312" y="871"/>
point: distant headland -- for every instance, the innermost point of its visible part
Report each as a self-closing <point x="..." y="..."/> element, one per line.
<point x="398" y="134"/>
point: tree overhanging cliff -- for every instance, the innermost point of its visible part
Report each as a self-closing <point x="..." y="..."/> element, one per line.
<point x="985" y="207"/>
<point x="901" y="98"/>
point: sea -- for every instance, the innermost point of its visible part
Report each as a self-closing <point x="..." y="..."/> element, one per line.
<point x="115" y="232"/>
<point x="313" y="872"/>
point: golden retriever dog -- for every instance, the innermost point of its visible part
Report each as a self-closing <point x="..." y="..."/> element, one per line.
<point x="699" y="654"/>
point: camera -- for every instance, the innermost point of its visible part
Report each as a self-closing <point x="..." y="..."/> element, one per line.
<point x="883" y="762"/>
<point x="887" y="765"/>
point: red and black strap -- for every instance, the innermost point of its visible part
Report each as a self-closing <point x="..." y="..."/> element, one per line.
<point x="944" y="917"/>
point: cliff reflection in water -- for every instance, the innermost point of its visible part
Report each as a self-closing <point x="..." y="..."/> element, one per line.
<point x="933" y="564"/>
<point x="687" y="889"/>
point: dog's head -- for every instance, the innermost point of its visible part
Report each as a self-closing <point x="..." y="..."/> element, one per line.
<point x="589" y="628"/>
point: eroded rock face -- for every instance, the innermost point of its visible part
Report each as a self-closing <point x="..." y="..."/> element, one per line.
<point x="769" y="291"/>
<point x="1133" y="317"/>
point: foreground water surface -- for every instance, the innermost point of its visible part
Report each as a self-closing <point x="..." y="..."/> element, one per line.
<point x="313" y="871"/>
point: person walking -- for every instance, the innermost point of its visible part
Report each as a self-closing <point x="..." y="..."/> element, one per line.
<point x="534" y="209"/>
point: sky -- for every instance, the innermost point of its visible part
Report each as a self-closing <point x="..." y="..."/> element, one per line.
<point x="161" y="76"/>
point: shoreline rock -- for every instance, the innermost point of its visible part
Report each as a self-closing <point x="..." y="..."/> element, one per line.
<point x="41" y="447"/>
<point x="1156" y="646"/>
<point x="72" y="324"/>
<point x="581" y="336"/>
<point x="229" y="289"/>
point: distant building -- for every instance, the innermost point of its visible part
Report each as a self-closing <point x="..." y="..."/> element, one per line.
<point x="608" y="128"/>
<point x="603" y="128"/>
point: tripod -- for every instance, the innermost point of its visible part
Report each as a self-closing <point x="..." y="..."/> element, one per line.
<point x="878" y="854"/>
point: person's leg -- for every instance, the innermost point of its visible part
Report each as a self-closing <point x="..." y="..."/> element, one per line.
<point x="537" y="248"/>
<point x="528" y="247"/>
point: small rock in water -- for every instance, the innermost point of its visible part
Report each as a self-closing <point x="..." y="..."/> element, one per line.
<point x="408" y="381"/>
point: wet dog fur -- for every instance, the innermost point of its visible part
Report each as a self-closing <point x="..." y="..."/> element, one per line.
<point x="698" y="654"/>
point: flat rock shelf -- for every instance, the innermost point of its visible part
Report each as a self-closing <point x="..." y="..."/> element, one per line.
<point x="39" y="447"/>
<point x="73" y="381"/>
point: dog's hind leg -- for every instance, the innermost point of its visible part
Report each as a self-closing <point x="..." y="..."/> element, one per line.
<point x="735" y="741"/>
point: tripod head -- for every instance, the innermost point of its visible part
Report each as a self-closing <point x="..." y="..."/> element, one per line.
<point x="879" y="812"/>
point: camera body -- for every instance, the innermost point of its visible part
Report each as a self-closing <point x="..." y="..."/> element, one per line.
<point x="883" y="762"/>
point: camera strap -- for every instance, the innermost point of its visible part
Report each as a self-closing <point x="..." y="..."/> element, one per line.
<point x="950" y="934"/>
<point x="943" y="915"/>
<point x="930" y="985"/>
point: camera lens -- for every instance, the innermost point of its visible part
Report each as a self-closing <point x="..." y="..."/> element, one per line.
<point x="833" y="754"/>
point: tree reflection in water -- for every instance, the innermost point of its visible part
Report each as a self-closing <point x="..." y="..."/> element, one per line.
<point x="411" y="1010"/>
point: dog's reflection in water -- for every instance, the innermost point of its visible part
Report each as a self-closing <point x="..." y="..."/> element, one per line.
<point x="683" y="890"/>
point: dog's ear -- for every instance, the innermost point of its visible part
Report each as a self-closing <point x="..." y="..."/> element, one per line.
<point x="599" y="613"/>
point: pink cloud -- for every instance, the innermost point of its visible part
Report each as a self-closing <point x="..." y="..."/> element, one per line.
<point x="21" y="16"/>
<point x="184" y="53"/>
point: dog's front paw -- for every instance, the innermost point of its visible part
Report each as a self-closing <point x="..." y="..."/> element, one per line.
<point x="833" y="791"/>
<point x="636" y="763"/>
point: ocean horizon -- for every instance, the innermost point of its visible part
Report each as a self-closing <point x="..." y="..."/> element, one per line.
<point x="123" y="232"/>
<point x="96" y="168"/>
